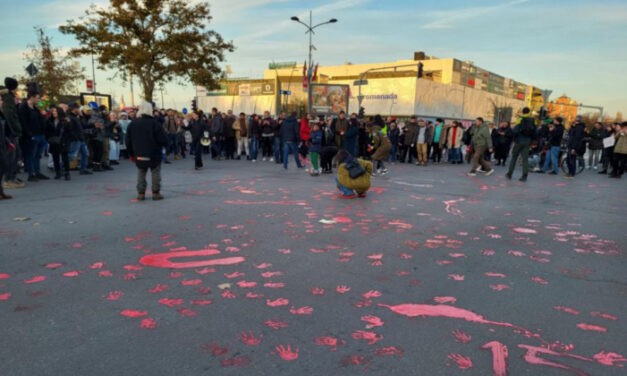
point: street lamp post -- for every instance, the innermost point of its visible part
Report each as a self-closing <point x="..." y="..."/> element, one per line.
<point x="310" y="30"/>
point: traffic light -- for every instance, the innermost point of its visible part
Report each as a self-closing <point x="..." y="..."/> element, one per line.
<point x="362" y="112"/>
<point x="194" y="105"/>
<point x="420" y="70"/>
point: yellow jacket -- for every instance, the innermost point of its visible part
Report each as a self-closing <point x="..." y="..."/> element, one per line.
<point x="360" y="184"/>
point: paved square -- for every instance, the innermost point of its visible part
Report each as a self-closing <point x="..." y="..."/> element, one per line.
<point x="249" y="269"/>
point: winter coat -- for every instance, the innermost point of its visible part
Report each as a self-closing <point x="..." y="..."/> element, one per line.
<point x="3" y="145"/>
<point x="481" y="137"/>
<point x="305" y="130"/>
<point x="381" y="145"/>
<point x="620" y="147"/>
<point x="241" y="129"/>
<point x="341" y="125"/>
<point x="229" y="132"/>
<point x="517" y="131"/>
<point x="289" y="130"/>
<point x="145" y="138"/>
<point x="502" y="137"/>
<point x="196" y="127"/>
<point x="360" y="184"/>
<point x="217" y="126"/>
<point x="394" y="134"/>
<point x="55" y="133"/>
<point x="267" y="127"/>
<point x="351" y="137"/>
<point x="556" y="135"/>
<point x="575" y="138"/>
<point x="409" y="133"/>
<point x="254" y="129"/>
<point x="454" y="137"/>
<point x="13" y="127"/>
<point x="169" y="124"/>
<point x="596" y="139"/>
<point x="31" y="120"/>
<point x="428" y="135"/>
<point x="316" y="141"/>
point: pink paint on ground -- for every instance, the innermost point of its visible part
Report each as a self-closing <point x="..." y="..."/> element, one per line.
<point x="271" y="274"/>
<point x="186" y="312"/>
<point x="96" y="265"/>
<point x="342" y="289"/>
<point x="450" y="207"/>
<point x="133" y="313"/>
<point x="371" y="294"/>
<point x="332" y="342"/>
<point x="114" y="295"/>
<point x="171" y="302"/>
<point x="570" y="311"/>
<point x="105" y="273"/>
<point x="301" y="311"/>
<point x="532" y="357"/>
<point x="5" y="276"/>
<point x="250" y="339"/>
<point x="37" y="279"/>
<point x="53" y="265"/>
<point x="342" y="219"/>
<point x="372" y="321"/>
<point x="158" y="288"/>
<point x="461" y="336"/>
<point x="252" y="295"/>
<point x="524" y="230"/>
<point x="500" y="287"/>
<point x="494" y="275"/>
<point x="287" y="203"/>
<point x="277" y="302"/>
<point x="355" y="360"/>
<point x="275" y="324"/>
<point x="204" y="271"/>
<point x="370" y="337"/>
<point x="107" y="213"/>
<point x="274" y="285"/>
<point x="317" y="291"/>
<point x="163" y="260"/>
<point x="5" y="296"/>
<point x="72" y="274"/>
<point x="236" y="361"/>
<point x="540" y="280"/>
<point x="591" y="327"/>
<point x="499" y="357"/>
<point x="148" y="323"/>
<point x="445" y="299"/>
<point x="389" y="351"/>
<point x="456" y="277"/>
<point x="516" y="253"/>
<point x="456" y="255"/>
<point x="264" y="265"/>
<point x="234" y="275"/>
<point x="400" y="224"/>
<point x="462" y="362"/>
<point x="227" y="294"/>
<point x="246" y="284"/>
<point x="606" y="316"/>
<point x="286" y="353"/>
<point x="610" y="358"/>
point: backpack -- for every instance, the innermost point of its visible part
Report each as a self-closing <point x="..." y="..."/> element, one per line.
<point x="354" y="168"/>
<point x="527" y="127"/>
<point x="467" y="136"/>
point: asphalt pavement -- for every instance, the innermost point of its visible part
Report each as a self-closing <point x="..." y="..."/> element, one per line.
<point x="248" y="269"/>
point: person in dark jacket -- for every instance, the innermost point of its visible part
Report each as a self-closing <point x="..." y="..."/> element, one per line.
<point x="351" y="135"/>
<point x="556" y="133"/>
<point x="144" y="142"/>
<point x="229" y="135"/>
<point x="315" y="148"/>
<point x="522" y="143"/>
<point x="576" y="145"/>
<point x="267" y="136"/>
<point x="58" y="142"/>
<point x="13" y="132"/>
<point x="254" y="133"/>
<point x="77" y="138"/>
<point x="502" y="141"/>
<point x="4" y="146"/>
<point x="33" y="141"/>
<point x="217" y="134"/>
<point x="394" y="135"/>
<point x="198" y="129"/>
<point x="595" y="146"/>
<point x="606" y="158"/>
<point x="290" y="137"/>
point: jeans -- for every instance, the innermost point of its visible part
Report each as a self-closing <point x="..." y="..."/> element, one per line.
<point x="455" y="155"/>
<point x="345" y="191"/>
<point x="173" y="146"/>
<point x="277" y="150"/>
<point x="551" y="159"/>
<point x="293" y="147"/>
<point x="393" y="152"/>
<point x="572" y="163"/>
<point x="254" y="148"/>
<point x="594" y="157"/>
<point x="197" y="148"/>
<point x="80" y="148"/>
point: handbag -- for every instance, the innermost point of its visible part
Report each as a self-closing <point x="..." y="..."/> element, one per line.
<point x="354" y="168"/>
<point x="188" y="137"/>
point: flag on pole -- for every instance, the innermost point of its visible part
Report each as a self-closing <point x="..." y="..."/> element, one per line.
<point x="304" y="68"/>
<point x="305" y="75"/>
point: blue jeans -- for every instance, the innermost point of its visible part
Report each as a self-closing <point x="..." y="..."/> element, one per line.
<point x="393" y="152"/>
<point x="454" y="155"/>
<point x="287" y="147"/>
<point x="345" y="191"/>
<point x="38" y="147"/>
<point x="173" y="146"/>
<point x="254" y="148"/>
<point x="277" y="150"/>
<point x="551" y="159"/>
<point x="79" y="147"/>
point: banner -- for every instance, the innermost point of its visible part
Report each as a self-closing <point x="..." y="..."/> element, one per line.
<point x="329" y="99"/>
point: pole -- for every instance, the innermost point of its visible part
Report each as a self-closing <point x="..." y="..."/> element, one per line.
<point x="132" y="91"/>
<point x="93" y="72"/>
<point x="309" y="68"/>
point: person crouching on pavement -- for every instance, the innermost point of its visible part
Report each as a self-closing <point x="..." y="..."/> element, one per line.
<point x="353" y="175"/>
<point x="144" y="141"/>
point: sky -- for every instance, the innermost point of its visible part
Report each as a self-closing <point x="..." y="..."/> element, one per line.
<point x="572" y="47"/>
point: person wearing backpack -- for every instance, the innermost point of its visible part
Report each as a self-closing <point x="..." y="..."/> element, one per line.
<point x="524" y="132"/>
<point x="353" y="175"/>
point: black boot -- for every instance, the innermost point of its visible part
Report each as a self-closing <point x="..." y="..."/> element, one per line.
<point x="523" y="178"/>
<point x="67" y="175"/>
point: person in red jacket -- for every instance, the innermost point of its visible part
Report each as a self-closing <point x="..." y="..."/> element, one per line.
<point x="305" y="136"/>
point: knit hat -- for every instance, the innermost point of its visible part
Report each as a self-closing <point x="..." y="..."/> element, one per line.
<point x="10" y="83"/>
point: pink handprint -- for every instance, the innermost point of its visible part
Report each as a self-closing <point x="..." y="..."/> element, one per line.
<point x="286" y="352"/>
<point x="250" y="339"/>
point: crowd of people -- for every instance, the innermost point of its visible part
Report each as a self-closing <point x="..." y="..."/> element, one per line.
<point x="90" y="138"/>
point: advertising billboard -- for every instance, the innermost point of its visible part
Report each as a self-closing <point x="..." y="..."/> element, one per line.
<point x="329" y="99"/>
